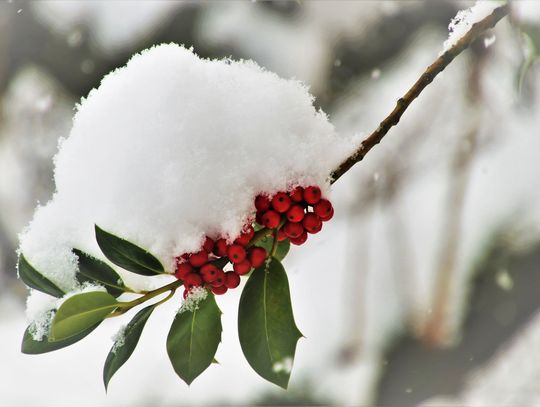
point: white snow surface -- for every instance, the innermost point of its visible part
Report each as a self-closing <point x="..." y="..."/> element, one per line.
<point x="465" y="19"/>
<point x="171" y="148"/>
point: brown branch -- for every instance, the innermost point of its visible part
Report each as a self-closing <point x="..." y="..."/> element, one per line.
<point x="427" y="77"/>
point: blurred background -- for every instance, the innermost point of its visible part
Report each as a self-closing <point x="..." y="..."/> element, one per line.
<point x="424" y="290"/>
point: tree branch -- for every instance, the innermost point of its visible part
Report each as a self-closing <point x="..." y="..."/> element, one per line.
<point x="427" y="77"/>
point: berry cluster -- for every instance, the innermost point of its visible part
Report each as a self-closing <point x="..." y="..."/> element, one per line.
<point x="293" y="215"/>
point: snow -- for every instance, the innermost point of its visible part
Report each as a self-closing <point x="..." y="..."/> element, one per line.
<point x="119" y="338"/>
<point x="465" y="19"/>
<point x="172" y="148"/>
<point x="192" y="300"/>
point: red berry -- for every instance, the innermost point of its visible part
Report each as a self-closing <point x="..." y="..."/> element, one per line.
<point x="220" y="279"/>
<point x="271" y="219"/>
<point x="236" y="253"/>
<point x="258" y="217"/>
<point x="220" y="248"/>
<point x="323" y="209"/>
<point x="245" y="237"/>
<point x="199" y="258"/>
<point x="262" y="203"/>
<point x="232" y="280"/>
<point x="192" y="280"/>
<point x="257" y="256"/>
<point x="281" y="235"/>
<point x="208" y="245"/>
<point x="242" y="268"/>
<point x="297" y="194"/>
<point x="312" y="223"/>
<point x="327" y="217"/>
<point x="182" y="270"/>
<point x="219" y="290"/>
<point x="293" y="230"/>
<point x="300" y="240"/>
<point x="281" y="202"/>
<point x="209" y="272"/>
<point x="312" y="195"/>
<point x="295" y="213"/>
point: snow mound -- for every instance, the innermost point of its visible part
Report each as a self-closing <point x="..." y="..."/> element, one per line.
<point x="171" y="148"/>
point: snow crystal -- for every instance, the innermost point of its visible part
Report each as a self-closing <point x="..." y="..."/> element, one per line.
<point x="119" y="338"/>
<point x="465" y="19"/>
<point x="191" y="302"/>
<point x="39" y="312"/>
<point x="171" y="148"/>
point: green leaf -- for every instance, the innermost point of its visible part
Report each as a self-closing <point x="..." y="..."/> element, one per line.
<point x="193" y="339"/>
<point x="282" y="248"/>
<point x="30" y="346"/>
<point x="32" y="278"/>
<point x="80" y="312"/>
<point x="266" y="327"/>
<point x="96" y="271"/>
<point x="127" y="255"/>
<point x="124" y="347"/>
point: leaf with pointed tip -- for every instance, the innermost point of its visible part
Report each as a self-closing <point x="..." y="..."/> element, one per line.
<point x="282" y="247"/>
<point x="32" y="278"/>
<point x="80" y="312"/>
<point x="124" y="347"/>
<point x="127" y="255"/>
<point x="266" y="327"/>
<point x="194" y="338"/>
<point x="96" y="271"/>
<point x="30" y="346"/>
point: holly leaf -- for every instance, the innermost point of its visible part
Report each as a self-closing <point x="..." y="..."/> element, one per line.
<point x="123" y="347"/>
<point x="194" y="338"/>
<point x="266" y="327"/>
<point x="30" y="346"/>
<point x="127" y="255"/>
<point x="32" y="278"/>
<point x="96" y="271"/>
<point x="80" y="312"/>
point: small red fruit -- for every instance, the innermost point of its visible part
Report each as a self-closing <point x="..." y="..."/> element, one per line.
<point x="199" y="258"/>
<point x="192" y="280"/>
<point x="236" y="253"/>
<point x="297" y="194"/>
<point x="257" y="256"/>
<point x="312" y="195"/>
<point x="281" y="235"/>
<point x="293" y="230"/>
<point x="182" y="270"/>
<point x="220" y="279"/>
<point x="324" y="209"/>
<point x="281" y="202"/>
<point x="208" y="245"/>
<point x="327" y="217"/>
<point x="242" y="268"/>
<point x="220" y="248"/>
<point x="295" y="213"/>
<point x="245" y="237"/>
<point x="232" y="280"/>
<point x="258" y="217"/>
<point x="300" y="240"/>
<point x="262" y="203"/>
<point x="209" y="272"/>
<point x="271" y="219"/>
<point x="312" y="223"/>
<point x="219" y="290"/>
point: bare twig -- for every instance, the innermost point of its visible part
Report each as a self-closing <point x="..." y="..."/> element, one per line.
<point x="427" y="77"/>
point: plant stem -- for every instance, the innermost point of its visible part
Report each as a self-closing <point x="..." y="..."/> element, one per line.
<point x="425" y="79"/>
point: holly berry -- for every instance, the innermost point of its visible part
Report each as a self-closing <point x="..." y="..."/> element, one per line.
<point x="199" y="258"/>
<point x="208" y="245"/>
<point x="312" y="195"/>
<point x="242" y="268"/>
<point x="245" y="237"/>
<point x="281" y="202"/>
<point x="220" y="248"/>
<point x="219" y="290"/>
<point x="220" y="279"/>
<point x="297" y="194"/>
<point x="281" y="235"/>
<point x="295" y="213"/>
<point x="182" y="270"/>
<point x="293" y="230"/>
<point x="324" y="209"/>
<point x="262" y="203"/>
<point x="299" y="240"/>
<point x="192" y="280"/>
<point x="271" y="219"/>
<point x="236" y="253"/>
<point x="257" y="256"/>
<point x="232" y="280"/>
<point x="209" y="272"/>
<point x="312" y="223"/>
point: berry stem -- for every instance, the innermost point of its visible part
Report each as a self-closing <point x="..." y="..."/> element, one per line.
<point x="274" y="243"/>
